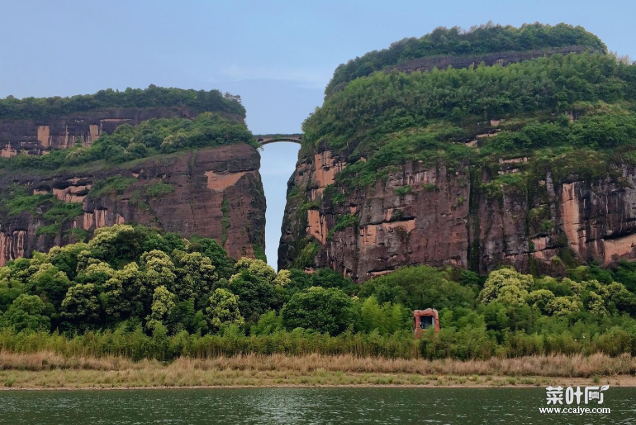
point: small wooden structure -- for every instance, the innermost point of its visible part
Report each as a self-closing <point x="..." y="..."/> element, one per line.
<point x="424" y="320"/>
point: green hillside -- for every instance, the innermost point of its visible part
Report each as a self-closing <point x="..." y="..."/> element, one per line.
<point x="455" y="41"/>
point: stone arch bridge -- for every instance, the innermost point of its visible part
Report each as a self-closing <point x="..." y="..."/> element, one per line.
<point x="265" y="139"/>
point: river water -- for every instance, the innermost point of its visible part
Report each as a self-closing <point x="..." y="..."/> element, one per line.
<point x="302" y="406"/>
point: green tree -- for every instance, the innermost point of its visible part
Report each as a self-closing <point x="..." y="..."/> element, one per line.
<point x="27" y="312"/>
<point x="125" y="294"/>
<point x="195" y="275"/>
<point x="385" y="319"/>
<point x="540" y="299"/>
<point x="563" y="306"/>
<point x="210" y="248"/>
<point x="182" y="317"/>
<point x="328" y="278"/>
<point x="254" y="284"/>
<point x="49" y="283"/>
<point x="10" y="288"/>
<point x="81" y="306"/>
<point x="506" y="286"/>
<point x="371" y="315"/>
<point x="97" y="273"/>
<point x="162" y="302"/>
<point x="268" y="323"/>
<point x="323" y="310"/>
<point x="65" y="258"/>
<point x="158" y="269"/>
<point x="418" y="288"/>
<point x="224" y="309"/>
<point x="116" y="242"/>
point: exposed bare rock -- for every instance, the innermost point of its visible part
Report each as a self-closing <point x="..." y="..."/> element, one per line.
<point x="447" y="218"/>
<point x="194" y="185"/>
<point x="36" y="137"/>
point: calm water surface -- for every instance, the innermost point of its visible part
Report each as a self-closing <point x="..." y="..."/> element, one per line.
<point x="301" y="406"/>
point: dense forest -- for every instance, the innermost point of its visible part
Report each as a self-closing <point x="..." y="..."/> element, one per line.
<point x="455" y="41"/>
<point x="152" y="137"/>
<point x="141" y="293"/>
<point x="151" y="97"/>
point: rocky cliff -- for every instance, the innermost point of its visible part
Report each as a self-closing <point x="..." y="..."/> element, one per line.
<point x="441" y="216"/>
<point x="39" y="136"/>
<point x="211" y="192"/>
<point x="526" y="161"/>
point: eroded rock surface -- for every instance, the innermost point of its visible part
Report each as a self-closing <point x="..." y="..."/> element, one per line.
<point x="213" y="192"/>
<point x="445" y="217"/>
<point x="38" y="136"/>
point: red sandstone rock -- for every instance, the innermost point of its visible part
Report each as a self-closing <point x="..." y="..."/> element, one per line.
<point x="200" y="181"/>
<point x="448" y="220"/>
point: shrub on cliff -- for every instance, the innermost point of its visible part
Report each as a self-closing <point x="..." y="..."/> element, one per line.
<point x="384" y="103"/>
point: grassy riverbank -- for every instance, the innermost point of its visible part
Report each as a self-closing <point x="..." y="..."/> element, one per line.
<point x="47" y="370"/>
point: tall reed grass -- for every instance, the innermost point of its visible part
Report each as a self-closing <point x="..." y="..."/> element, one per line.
<point x="550" y="366"/>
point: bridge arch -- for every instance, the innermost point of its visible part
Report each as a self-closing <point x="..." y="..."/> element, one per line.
<point x="265" y="139"/>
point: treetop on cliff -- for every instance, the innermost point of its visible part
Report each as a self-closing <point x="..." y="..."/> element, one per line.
<point x="152" y="97"/>
<point x="481" y="39"/>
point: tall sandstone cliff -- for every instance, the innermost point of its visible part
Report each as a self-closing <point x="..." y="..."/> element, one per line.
<point x="477" y="149"/>
<point x="211" y="192"/>
<point x="446" y="218"/>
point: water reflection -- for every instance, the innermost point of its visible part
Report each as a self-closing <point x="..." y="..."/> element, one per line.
<point x="508" y="406"/>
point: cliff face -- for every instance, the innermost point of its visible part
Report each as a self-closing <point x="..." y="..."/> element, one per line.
<point x="212" y="192"/>
<point x="36" y="137"/>
<point x="440" y="216"/>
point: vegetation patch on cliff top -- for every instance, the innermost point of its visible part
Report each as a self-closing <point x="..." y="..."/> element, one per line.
<point x="455" y="41"/>
<point x="151" y="97"/>
<point x="158" y="189"/>
<point x="345" y="221"/>
<point x="111" y="185"/>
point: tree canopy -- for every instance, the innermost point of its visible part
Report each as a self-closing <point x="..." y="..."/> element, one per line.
<point x="151" y="97"/>
<point x="455" y="41"/>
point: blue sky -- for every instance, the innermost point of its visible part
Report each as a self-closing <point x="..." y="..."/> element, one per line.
<point x="278" y="55"/>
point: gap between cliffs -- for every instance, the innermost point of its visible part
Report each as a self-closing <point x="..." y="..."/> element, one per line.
<point x="278" y="162"/>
